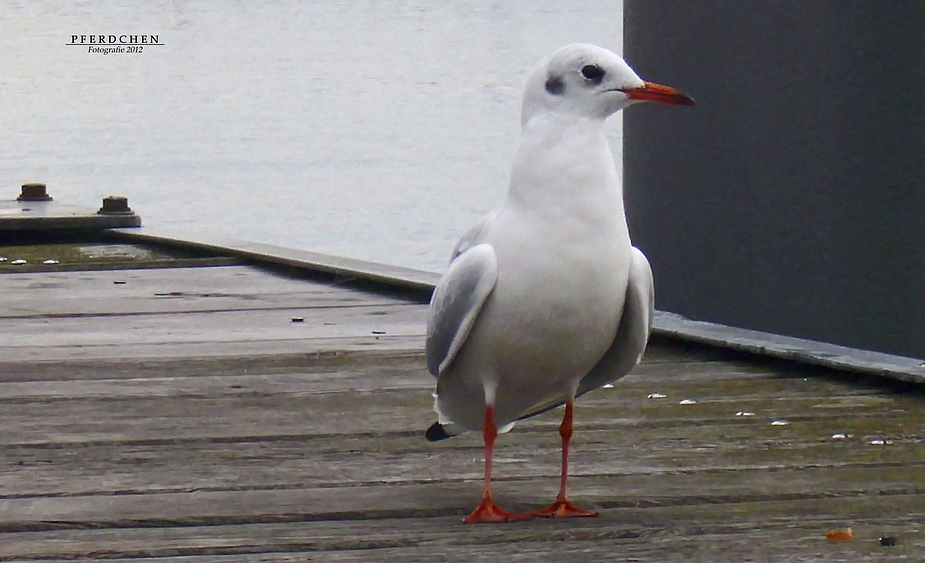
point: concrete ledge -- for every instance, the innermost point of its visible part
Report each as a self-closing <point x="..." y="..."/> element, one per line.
<point x="789" y="348"/>
<point x="51" y="215"/>
<point x="405" y="278"/>
<point x="665" y="324"/>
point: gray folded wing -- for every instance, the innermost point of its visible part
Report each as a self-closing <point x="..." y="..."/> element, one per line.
<point x="456" y="303"/>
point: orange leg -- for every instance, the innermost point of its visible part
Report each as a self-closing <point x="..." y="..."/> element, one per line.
<point x="488" y="511"/>
<point x="562" y="507"/>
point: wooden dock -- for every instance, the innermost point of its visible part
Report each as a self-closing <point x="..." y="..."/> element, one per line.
<point x="234" y="413"/>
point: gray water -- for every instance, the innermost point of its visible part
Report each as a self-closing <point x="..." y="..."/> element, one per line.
<point x="375" y="130"/>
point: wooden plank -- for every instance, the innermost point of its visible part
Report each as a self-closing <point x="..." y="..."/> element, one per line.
<point x="629" y="532"/>
<point x="242" y="348"/>
<point x="128" y="368"/>
<point x="739" y="380"/>
<point x="123" y="265"/>
<point x="363" y="500"/>
<point x="235" y="279"/>
<point x="231" y="463"/>
<point x="261" y="405"/>
<point x="109" y="293"/>
<point x="660" y="363"/>
<point x="211" y="333"/>
<point x="215" y="326"/>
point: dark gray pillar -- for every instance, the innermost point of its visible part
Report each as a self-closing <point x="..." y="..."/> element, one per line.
<point x="792" y="198"/>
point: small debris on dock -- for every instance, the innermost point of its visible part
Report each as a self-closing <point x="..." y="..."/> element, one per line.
<point x="840" y="535"/>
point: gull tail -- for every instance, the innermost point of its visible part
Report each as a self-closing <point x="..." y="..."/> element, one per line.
<point x="444" y="428"/>
<point x="438" y="432"/>
<point x="441" y="431"/>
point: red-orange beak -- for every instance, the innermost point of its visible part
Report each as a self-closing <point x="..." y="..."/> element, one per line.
<point x="652" y="92"/>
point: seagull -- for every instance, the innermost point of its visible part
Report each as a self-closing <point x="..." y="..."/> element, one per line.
<point x="545" y="298"/>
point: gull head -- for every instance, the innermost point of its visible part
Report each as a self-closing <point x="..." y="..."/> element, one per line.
<point x="586" y="81"/>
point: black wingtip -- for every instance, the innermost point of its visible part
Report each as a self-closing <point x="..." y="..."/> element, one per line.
<point x="436" y="432"/>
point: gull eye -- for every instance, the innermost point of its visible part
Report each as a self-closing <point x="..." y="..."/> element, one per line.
<point x="592" y="73"/>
